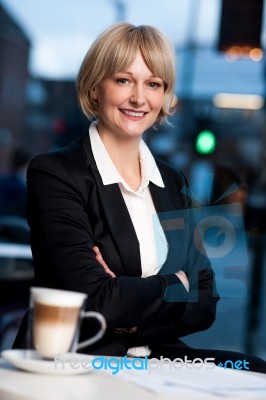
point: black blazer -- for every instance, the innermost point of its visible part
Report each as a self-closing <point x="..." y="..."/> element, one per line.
<point x="70" y="210"/>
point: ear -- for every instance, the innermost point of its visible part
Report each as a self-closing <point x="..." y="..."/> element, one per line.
<point x="93" y="93"/>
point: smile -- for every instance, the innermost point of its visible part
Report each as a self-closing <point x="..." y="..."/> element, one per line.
<point x="133" y="113"/>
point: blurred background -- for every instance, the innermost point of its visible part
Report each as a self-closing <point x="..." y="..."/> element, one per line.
<point x="217" y="135"/>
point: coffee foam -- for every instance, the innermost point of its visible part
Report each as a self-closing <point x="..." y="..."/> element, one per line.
<point x="58" y="298"/>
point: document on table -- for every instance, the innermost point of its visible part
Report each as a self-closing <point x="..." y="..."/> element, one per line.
<point x="197" y="383"/>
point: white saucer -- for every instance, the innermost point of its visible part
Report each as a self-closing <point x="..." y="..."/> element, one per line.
<point x="65" y="364"/>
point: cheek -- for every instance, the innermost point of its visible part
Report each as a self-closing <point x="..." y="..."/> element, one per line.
<point x="158" y="102"/>
<point x="112" y="99"/>
<point x="104" y="103"/>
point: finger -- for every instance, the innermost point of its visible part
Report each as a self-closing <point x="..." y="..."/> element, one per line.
<point x="101" y="261"/>
<point x="105" y="266"/>
<point x="96" y="250"/>
<point x="183" y="278"/>
<point x="108" y="271"/>
<point x="99" y="256"/>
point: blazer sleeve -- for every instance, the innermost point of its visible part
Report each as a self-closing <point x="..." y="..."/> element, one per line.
<point x="62" y="240"/>
<point x="199" y="315"/>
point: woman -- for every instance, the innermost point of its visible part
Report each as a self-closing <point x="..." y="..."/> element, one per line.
<point x="91" y="208"/>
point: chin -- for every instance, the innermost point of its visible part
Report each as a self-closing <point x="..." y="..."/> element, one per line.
<point x="135" y="134"/>
<point x="137" y="131"/>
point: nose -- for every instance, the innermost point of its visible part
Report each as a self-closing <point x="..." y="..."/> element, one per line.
<point x="138" y="96"/>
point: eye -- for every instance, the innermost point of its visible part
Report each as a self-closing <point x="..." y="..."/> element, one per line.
<point x="122" y="81"/>
<point x="155" y="85"/>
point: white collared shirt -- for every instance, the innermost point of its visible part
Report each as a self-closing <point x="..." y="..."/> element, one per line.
<point x="152" y="242"/>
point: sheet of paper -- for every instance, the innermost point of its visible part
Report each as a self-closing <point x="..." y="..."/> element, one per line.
<point x="196" y="383"/>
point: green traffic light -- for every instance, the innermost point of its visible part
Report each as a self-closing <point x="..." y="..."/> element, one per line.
<point x="205" y="142"/>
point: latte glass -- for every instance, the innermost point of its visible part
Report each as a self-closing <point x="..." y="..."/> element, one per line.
<point x="55" y="320"/>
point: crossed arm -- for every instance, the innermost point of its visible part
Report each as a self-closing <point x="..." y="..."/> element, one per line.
<point x="180" y="274"/>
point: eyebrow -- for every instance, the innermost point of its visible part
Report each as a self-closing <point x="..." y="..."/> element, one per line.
<point x="130" y="73"/>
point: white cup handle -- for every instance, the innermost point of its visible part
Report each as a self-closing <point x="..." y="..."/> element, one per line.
<point x="99" y="335"/>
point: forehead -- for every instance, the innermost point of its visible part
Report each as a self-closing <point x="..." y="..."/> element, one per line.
<point x="138" y="65"/>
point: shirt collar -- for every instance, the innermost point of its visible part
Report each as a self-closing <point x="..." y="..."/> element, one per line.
<point x="107" y="169"/>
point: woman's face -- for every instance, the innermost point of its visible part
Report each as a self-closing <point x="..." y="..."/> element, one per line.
<point x="130" y="101"/>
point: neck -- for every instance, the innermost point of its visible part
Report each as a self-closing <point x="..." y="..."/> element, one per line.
<point x="124" y="152"/>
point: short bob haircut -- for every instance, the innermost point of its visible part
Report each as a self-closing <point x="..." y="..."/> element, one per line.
<point x="114" y="51"/>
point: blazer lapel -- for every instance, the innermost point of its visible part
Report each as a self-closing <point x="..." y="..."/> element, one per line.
<point x="167" y="198"/>
<point x="167" y="202"/>
<point x="117" y="216"/>
<point x="161" y="198"/>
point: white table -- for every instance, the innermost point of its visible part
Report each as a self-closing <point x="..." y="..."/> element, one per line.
<point x="20" y="385"/>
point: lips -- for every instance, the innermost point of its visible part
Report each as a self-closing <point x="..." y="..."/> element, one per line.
<point x="131" y="113"/>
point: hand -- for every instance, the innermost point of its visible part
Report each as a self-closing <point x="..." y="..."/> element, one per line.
<point x="101" y="261"/>
<point x="183" y="278"/>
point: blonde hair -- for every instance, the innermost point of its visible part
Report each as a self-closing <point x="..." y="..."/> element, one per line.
<point x="114" y="51"/>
